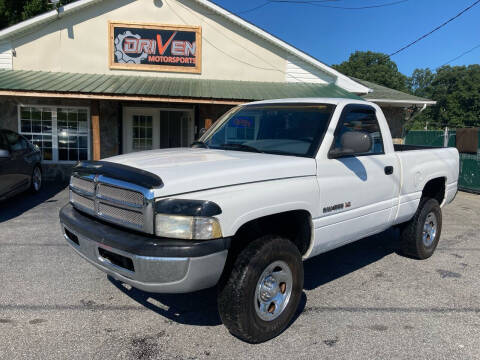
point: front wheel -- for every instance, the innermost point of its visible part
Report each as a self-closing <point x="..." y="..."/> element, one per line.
<point x="263" y="291"/>
<point x="420" y="236"/>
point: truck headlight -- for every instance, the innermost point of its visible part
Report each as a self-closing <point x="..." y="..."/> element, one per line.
<point x="187" y="219"/>
<point x="187" y="227"/>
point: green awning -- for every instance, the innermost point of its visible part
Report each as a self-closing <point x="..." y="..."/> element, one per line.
<point x="149" y="86"/>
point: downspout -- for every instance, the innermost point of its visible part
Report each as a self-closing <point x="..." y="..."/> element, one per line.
<point x="418" y="112"/>
<point x="56" y="4"/>
<point x="413" y="116"/>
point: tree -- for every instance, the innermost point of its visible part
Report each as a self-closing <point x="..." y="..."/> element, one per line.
<point x="374" y="67"/>
<point x="457" y="93"/>
<point x="420" y="80"/>
<point x="14" y="11"/>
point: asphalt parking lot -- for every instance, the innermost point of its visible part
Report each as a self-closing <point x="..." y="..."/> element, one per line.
<point x="362" y="301"/>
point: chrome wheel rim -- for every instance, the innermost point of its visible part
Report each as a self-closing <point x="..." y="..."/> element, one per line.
<point x="37" y="179"/>
<point x="429" y="229"/>
<point x="273" y="291"/>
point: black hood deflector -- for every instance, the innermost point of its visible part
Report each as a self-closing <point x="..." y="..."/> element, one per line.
<point x="120" y="172"/>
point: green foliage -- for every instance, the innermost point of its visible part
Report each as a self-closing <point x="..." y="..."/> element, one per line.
<point x="35" y="7"/>
<point x="10" y="12"/>
<point x="457" y="92"/>
<point x="14" y="11"/>
<point x="419" y="81"/>
<point x="374" y="67"/>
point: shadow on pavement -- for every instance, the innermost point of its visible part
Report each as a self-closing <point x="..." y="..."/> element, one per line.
<point x="200" y="308"/>
<point x="17" y="205"/>
<point x="342" y="261"/>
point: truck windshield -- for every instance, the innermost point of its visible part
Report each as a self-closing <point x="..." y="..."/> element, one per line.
<point x="284" y="129"/>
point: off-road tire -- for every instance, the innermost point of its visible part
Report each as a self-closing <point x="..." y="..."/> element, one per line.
<point x="236" y="298"/>
<point x="411" y="232"/>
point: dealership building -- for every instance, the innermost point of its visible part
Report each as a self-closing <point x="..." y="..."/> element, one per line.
<point x="97" y="78"/>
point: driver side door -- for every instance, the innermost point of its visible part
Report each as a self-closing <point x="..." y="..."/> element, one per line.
<point x="358" y="192"/>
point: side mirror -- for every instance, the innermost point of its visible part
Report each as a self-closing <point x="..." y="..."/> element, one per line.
<point x="202" y="131"/>
<point x="4" y="153"/>
<point x="353" y="142"/>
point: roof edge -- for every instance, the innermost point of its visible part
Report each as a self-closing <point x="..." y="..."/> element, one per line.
<point x="44" y="18"/>
<point x="406" y="102"/>
<point x="402" y="98"/>
<point x="91" y="96"/>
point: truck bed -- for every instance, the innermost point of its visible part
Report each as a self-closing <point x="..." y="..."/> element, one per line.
<point x="418" y="167"/>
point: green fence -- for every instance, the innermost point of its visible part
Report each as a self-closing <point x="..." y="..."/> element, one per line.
<point x="469" y="163"/>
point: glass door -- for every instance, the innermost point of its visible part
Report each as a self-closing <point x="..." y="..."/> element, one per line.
<point x="150" y="128"/>
<point x="176" y="128"/>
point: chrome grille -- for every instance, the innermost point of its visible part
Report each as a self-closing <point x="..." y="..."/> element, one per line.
<point x="83" y="184"/>
<point x="116" y="213"/>
<point x="113" y="200"/>
<point x="121" y="195"/>
<point x="84" y="202"/>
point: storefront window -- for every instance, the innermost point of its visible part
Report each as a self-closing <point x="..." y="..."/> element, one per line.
<point x="61" y="133"/>
<point x="36" y="126"/>
<point x="72" y="132"/>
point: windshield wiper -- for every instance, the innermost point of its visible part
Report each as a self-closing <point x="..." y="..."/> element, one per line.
<point x="199" y="144"/>
<point x="240" y="147"/>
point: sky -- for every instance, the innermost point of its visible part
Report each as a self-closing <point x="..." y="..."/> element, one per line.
<point x="332" y="34"/>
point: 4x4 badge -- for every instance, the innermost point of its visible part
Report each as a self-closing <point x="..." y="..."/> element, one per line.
<point x="337" y="207"/>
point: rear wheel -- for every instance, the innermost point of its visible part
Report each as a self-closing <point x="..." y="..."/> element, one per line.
<point x="420" y="236"/>
<point x="36" y="182"/>
<point x="263" y="292"/>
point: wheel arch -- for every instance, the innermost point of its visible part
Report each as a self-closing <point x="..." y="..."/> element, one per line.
<point x="435" y="188"/>
<point x="295" y="225"/>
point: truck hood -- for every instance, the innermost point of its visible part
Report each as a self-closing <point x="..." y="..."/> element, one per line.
<point x="186" y="170"/>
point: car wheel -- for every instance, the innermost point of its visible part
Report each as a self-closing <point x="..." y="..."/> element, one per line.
<point x="263" y="291"/>
<point x="420" y="236"/>
<point x="36" y="182"/>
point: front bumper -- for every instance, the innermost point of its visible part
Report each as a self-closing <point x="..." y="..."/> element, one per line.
<point x="145" y="262"/>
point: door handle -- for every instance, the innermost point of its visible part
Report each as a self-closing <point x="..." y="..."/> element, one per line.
<point x="388" y="170"/>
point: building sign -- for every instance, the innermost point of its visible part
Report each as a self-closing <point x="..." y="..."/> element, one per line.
<point x="155" y="47"/>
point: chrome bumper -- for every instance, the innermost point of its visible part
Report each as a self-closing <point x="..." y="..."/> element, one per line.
<point x="152" y="274"/>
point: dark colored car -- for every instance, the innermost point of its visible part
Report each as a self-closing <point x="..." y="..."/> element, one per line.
<point x="20" y="168"/>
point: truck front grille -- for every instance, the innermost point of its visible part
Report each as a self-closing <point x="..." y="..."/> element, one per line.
<point x="117" y="213"/>
<point x="83" y="185"/>
<point x="82" y="202"/>
<point x="115" y="201"/>
<point x="121" y="195"/>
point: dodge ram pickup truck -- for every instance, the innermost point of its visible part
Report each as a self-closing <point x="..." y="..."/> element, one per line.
<point x="270" y="184"/>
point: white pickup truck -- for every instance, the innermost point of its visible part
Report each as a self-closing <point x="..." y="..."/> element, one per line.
<point x="270" y="184"/>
